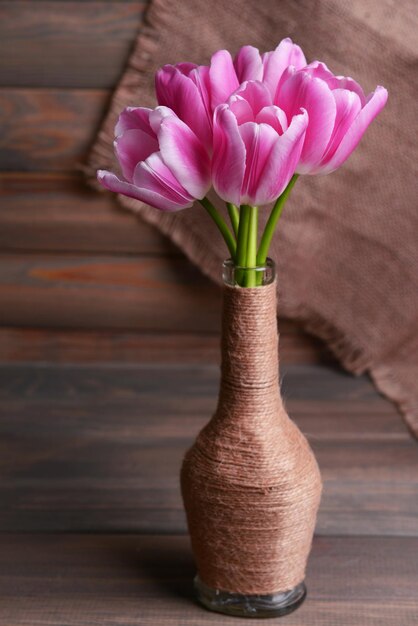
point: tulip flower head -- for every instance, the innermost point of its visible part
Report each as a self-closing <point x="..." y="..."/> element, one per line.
<point x="255" y="150"/>
<point x="339" y="114"/>
<point x="163" y="162"/>
<point x="248" y="126"/>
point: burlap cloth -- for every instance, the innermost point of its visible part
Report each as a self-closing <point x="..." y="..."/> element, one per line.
<point x="346" y="247"/>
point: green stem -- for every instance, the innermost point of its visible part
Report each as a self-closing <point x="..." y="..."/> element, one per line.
<point x="221" y="224"/>
<point x="272" y="222"/>
<point x="233" y="216"/>
<point x="242" y="242"/>
<point x="251" y="278"/>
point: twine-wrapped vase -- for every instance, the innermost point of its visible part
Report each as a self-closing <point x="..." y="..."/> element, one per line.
<point x="250" y="483"/>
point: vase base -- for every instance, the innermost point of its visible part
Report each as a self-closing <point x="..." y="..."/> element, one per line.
<point x="240" y="605"/>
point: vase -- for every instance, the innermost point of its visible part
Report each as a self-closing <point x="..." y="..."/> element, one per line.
<point x="250" y="482"/>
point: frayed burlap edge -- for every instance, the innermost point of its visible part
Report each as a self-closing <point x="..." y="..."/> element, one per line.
<point x="392" y="387"/>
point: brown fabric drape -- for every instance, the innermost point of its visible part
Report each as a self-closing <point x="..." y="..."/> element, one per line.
<point x="346" y="247"/>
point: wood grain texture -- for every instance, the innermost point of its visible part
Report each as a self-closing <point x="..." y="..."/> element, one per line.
<point x="98" y="448"/>
<point x="78" y="346"/>
<point x="57" y="212"/>
<point x="85" y="580"/>
<point x="48" y="129"/>
<point x="66" y="44"/>
<point x="107" y="292"/>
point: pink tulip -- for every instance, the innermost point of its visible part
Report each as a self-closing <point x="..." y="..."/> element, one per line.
<point x="339" y="114"/>
<point x="163" y="163"/>
<point x="255" y="149"/>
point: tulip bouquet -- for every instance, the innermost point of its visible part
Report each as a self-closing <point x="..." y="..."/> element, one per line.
<point x="247" y="126"/>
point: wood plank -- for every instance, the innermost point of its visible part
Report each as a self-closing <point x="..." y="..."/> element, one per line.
<point x="98" y="448"/>
<point x="48" y="129"/>
<point x="66" y="44"/>
<point x="107" y="292"/>
<point x="67" y="291"/>
<point x="85" y="580"/>
<point x="60" y="213"/>
<point x="78" y="346"/>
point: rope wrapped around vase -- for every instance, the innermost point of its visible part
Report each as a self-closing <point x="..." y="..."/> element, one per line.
<point x="250" y="483"/>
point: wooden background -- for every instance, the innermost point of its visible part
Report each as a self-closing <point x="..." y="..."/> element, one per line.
<point x="108" y="368"/>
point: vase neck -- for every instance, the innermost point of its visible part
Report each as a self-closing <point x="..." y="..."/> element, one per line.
<point x="250" y="372"/>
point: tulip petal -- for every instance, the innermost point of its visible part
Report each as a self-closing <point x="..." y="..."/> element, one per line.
<point x="179" y="92"/>
<point x="282" y="161"/>
<point x="186" y="67"/>
<point x="375" y="103"/>
<point x="348" y="107"/>
<point x="131" y="147"/>
<point x="259" y="140"/>
<point x="255" y="93"/>
<point x="248" y="100"/>
<point x="185" y="155"/>
<point x="302" y="90"/>
<point x="113" y="183"/>
<point x="166" y="80"/>
<point x="287" y="53"/>
<point x="200" y="77"/>
<point x="291" y="52"/>
<point x="241" y="109"/>
<point x="345" y="82"/>
<point x="223" y="78"/>
<point x="228" y="165"/>
<point x="248" y="64"/>
<point x="158" y="115"/>
<point x="274" y="116"/>
<point x="158" y="186"/>
<point x="134" y="118"/>
<point x="320" y="70"/>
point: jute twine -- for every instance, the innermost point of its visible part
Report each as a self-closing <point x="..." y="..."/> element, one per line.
<point x="250" y="483"/>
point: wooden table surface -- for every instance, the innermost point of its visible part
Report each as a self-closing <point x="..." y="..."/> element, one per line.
<point x="109" y="351"/>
